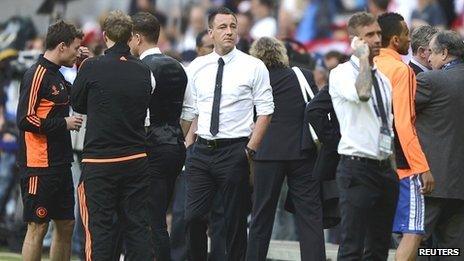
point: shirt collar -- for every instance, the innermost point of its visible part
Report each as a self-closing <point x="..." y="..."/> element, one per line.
<point x="423" y="68"/>
<point x="355" y="60"/>
<point x="391" y="53"/>
<point x="154" y="50"/>
<point x="118" y="49"/>
<point x="48" y="64"/>
<point x="227" y="58"/>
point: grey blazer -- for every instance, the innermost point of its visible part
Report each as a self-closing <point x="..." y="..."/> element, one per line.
<point x="440" y="126"/>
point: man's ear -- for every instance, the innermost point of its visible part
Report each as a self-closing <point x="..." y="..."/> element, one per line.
<point x="395" y="40"/>
<point x="445" y="54"/>
<point x="61" y="46"/>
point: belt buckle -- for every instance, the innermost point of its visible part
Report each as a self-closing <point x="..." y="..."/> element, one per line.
<point x="212" y="144"/>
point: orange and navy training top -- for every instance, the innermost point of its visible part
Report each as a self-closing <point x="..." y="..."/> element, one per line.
<point x="114" y="91"/>
<point x="403" y="81"/>
<point x="43" y="104"/>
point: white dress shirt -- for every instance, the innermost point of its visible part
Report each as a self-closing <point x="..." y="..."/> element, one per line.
<point x="245" y="83"/>
<point x="423" y="68"/>
<point x="359" y="121"/>
<point x="154" y="50"/>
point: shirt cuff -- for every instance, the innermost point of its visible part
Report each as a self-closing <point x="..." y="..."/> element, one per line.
<point x="265" y="109"/>
<point x="188" y="116"/>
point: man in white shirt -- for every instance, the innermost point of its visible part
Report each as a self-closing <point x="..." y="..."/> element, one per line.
<point x="368" y="186"/>
<point x="223" y="88"/>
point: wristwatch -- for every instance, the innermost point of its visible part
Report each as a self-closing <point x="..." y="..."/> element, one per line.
<point x="251" y="152"/>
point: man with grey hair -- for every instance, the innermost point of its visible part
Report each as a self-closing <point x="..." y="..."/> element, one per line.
<point x="439" y="104"/>
<point x="420" y="39"/>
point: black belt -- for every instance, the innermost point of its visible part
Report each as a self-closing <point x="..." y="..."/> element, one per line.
<point x="380" y="163"/>
<point x="220" y="142"/>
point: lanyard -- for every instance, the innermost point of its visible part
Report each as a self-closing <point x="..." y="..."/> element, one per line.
<point x="375" y="103"/>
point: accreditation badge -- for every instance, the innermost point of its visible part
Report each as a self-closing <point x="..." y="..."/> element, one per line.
<point x="385" y="140"/>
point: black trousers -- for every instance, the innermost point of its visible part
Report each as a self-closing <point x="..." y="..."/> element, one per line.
<point x="304" y="190"/>
<point x="224" y="170"/>
<point x="444" y="219"/>
<point x="117" y="189"/>
<point x="368" y="198"/>
<point x="165" y="164"/>
<point x="215" y="227"/>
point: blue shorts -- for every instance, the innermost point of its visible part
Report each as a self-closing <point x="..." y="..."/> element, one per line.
<point x="409" y="217"/>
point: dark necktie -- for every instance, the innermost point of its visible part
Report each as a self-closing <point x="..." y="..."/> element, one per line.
<point x="378" y="96"/>
<point x="214" y="127"/>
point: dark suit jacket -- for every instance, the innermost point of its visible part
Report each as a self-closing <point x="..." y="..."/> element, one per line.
<point x="321" y="115"/>
<point x="287" y="137"/>
<point x="166" y="102"/>
<point x="440" y="126"/>
<point x="415" y="68"/>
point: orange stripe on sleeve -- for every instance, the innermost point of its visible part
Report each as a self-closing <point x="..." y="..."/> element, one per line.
<point x="36" y="91"/>
<point x="33" y="120"/>
<point x="31" y="91"/>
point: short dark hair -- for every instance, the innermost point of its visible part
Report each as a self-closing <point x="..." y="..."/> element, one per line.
<point x="118" y="26"/>
<point x="199" y="38"/>
<point x="61" y="32"/>
<point x="451" y="41"/>
<point x="421" y="36"/>
<point x="216" y="11"/>
<point x="390" y="23"/>
<point x="147" y="25"/>
<point x="359" y="19"/>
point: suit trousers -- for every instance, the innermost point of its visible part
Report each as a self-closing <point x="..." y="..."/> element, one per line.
<point x="368" y="197"/>
<point x="224" y="170"/>
<point x="109" y="190"/>
<point x="165" y="164"/>
<point x="304" y="190"/>
<point x="216" y="225"/>
<point x="444" y="220"/>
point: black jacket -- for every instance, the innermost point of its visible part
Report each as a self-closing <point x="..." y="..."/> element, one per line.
<point x="166" y="102"/>
<point x="114" y="91"/>
<point x="287" y="137"/>
<point x="44" y="140"/>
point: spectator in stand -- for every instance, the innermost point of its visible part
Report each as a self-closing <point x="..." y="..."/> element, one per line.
<point x="196" y="24"/>
<point x="334" y="58"/>
<point x="377" y="7"/>
<point x="244" y="23"/>
<point x="420" y="39"/>
<point x="428" y="12"/>
<point x="264" y="23"/>
<point x="317" y="21"/>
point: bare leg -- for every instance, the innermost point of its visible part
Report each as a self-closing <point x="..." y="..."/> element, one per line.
<point x="407" y="250"/>
<point x="32" y="246"/>
<point x="61" y="244"/>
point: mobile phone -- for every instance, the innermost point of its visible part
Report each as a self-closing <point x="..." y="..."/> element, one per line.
<point x="353" y="41"/>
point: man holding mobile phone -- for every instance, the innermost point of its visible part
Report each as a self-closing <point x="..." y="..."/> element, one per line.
<point x="367" y="184"/>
